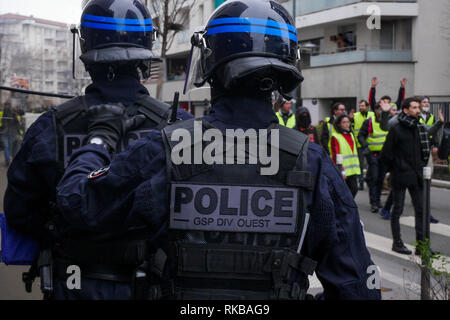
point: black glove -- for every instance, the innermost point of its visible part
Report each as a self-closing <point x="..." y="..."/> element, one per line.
<point x="108" y="122"/>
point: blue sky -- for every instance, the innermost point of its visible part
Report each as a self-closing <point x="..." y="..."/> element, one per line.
<point x="67" y="11"/>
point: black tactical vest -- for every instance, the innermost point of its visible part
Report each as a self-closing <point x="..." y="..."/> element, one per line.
<point x="237" y="234"/>
<point x="70" y="120"/>
<point x="129" y="248"/>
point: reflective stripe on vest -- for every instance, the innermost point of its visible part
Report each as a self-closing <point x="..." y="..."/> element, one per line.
<point x="430" y="121"/>
<point x="331" y="130"/>
<point x="290" y="122"/>
<point x="376" y="139"/>
<point x="350" y="158"/>
<point x="358" y="122"/>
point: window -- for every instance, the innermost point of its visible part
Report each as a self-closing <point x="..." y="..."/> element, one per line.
<point x="387" y="38"/>
<point x="346" y="37"/>
<point x="309" y="48"/>
<point x="177" y="67"/>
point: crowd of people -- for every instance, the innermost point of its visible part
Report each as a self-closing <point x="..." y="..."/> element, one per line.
<point x="395" y="141"/>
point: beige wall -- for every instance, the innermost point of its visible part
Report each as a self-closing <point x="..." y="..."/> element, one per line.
<point x="353" y="80"/>
<point x="431" y="48"/>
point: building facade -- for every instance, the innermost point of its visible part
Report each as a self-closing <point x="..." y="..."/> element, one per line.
<point x="344" y="44"/>
<point x="38" y="51"/>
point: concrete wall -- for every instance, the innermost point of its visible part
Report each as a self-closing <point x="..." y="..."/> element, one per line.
<point x="353" y="80"/>
<point x="431" y="48"/>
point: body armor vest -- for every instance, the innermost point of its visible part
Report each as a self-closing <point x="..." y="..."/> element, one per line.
<point x="129" y="248"/>
<point x="70" y="120"/>
<point x="237" y="234"/>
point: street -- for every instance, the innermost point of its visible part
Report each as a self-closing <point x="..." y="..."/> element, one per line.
<point x="400" y="275"/>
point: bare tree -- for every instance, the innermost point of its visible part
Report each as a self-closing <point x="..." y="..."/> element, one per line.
<point x="170" y="17"/>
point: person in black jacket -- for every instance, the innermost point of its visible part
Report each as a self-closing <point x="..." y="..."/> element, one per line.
<point x="444" y="147"/>
<point x="405" y="154"/>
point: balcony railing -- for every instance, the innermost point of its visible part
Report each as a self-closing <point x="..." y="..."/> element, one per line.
<point x="359" y="55"/>
<point x="309" y="6"/>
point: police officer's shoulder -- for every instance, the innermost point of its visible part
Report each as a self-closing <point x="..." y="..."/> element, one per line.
<point x="184" y="115"/>
<point x="291" y="141"/>
<point x="42" y="125"/>
<point x="69" y="107"/>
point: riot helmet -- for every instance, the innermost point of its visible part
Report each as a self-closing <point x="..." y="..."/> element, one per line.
<point x="116" y="32"/>
<point x="251" y="42"/>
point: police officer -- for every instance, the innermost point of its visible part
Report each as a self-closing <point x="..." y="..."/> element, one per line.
<point x="359" y="119"/>
<point x="116" y="42"/>
<point x="372" y="137"/>
<point x="230" y="232"/>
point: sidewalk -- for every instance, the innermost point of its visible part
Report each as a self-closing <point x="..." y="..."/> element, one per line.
<point x="440" y="183"/>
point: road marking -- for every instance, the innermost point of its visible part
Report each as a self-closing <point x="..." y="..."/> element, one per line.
<point x="384" y="244"/>
<point x="439" y="228"/>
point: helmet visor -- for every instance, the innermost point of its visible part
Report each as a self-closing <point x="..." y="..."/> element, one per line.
<point x="195" y="72"/>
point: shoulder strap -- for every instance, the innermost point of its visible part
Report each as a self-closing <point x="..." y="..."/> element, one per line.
<point x="182" y="172"/>
<point x="296" y="143"/>
<point x="153" y="109"/>
<point x="69" y="110"/>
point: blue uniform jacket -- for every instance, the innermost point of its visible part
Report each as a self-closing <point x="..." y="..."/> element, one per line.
<point x="33" y="174"/>
<point x="132" y="192"/>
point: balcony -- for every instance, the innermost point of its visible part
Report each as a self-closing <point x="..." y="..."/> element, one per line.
<point x="315" y="12"/>
<point x="359" y="55"/>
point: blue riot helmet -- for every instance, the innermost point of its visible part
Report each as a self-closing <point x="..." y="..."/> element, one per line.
<point x="116" y="32"/>
<point x="246" y="42"/>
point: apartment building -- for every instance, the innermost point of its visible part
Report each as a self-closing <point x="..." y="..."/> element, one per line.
<point x="37" y="50"/>
<point x="412" y="41"/>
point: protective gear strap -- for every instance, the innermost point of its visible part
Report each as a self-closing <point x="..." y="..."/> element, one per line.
<point x="153" y="109"/>
<point x="226" y="259"/>
<point x="132" y="252"/>
<point x="70" y="110"/>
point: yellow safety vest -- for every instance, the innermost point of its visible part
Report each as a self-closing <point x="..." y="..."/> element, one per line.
<point x="1" y="117"/>
<point x="430" y="121"/>
<point x="19" y="118"/>
<point x="358" y="122"/>
<point x="331" y="130"/>
<point x="350" y="158"/>
<point x="377" y="138"/>
<point x="290" y="122"/>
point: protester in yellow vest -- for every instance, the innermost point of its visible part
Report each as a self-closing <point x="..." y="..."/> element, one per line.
<point x="426" y="117"/>
<point x="358" y="121"/>
<point x="372" y="137"/>
<point x="337" y="109"/>
<point x="343" y="142"/>
<point x="285" y="115"/>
